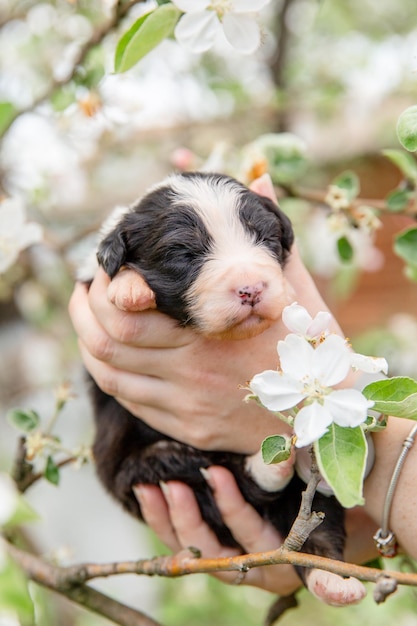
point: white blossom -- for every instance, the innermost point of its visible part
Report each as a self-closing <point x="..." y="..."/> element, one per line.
<point x="298" y="320"/>
<point x="307" y="374"/>
<point x="368" y="364"/>
<point x="8" y="498"/>
<point x="15" y="233"/>
<point x="203" y="20"/>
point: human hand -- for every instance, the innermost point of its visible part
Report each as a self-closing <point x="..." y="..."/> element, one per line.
<point x="174" y="516"/>
<point x="179" y="382"/>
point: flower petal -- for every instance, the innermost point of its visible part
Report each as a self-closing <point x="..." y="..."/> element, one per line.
<point x="242" y="32"/>
<point x="276" y="391"/>
<point x="368" y="364"/>
<point x="197" y="31"/>
<point x="319" y="324"/>
<point x="331" y="362"/>
<point x="296" y="356"/>
<point x="311" y="423"/>
<point x="296" y="318"/>
<point x="348" y="407"/>
<point x="248" y="6"/>
<point x="191" y="6"/>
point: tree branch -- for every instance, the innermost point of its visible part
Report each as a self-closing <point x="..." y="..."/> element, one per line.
<point x="52" y="577"/>
<point x="186" y="562"/>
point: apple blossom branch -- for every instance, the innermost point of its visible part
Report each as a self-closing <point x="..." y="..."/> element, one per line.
<point x="316" y="196"/>
<point x="120" y="11"/>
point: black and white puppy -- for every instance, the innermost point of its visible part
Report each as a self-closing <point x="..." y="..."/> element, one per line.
<point x="213" y="253"/>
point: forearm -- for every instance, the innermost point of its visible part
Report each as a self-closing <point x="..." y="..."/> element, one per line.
<point x="388" y="446"/>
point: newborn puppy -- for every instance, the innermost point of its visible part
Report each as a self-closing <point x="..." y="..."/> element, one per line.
<point x="213" y="254"/>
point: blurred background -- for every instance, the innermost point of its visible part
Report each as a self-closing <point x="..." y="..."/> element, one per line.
<point x="78" y="139"/>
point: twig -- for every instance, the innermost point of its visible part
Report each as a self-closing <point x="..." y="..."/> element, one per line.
<point x="306" y="520"/>
<point x="32" y="477"/>
<point x="318" y="197"/>
<point x="23" y="474"/>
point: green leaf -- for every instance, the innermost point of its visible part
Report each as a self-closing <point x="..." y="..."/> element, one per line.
<point x="341" y="457"/>
<point x="23" y="419"/>
<point x="275" y="449"/>
<point x="405" y="162"/>
<point x="349" y="181"/>
<point x="345" y="249"/>
<point x="395" y="396"/>
<point x="7" y="115"/>
<point x="144" y="35"/>
<point x="398" y="200"/>
<point x="405" y="245"/>
<point x="14" y="593"/>
<point x="407" y="128"/>
<point x="52" y="471"/>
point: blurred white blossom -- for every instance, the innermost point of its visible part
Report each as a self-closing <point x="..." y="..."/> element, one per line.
<point x="199" y="28"/>
<point x="15" y="233"/>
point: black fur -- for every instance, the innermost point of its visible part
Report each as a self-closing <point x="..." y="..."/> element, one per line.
<point x="168" y="249"/>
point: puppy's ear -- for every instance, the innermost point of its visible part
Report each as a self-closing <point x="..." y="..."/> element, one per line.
<point x="111" y="253"/>
<point x="286" y="226"/>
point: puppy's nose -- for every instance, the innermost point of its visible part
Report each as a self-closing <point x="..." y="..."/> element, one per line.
<point x="251" y="294"/>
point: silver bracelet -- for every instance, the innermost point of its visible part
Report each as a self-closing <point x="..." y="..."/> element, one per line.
<point x="385" y="539"/>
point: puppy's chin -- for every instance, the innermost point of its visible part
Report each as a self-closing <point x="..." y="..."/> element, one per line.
<point x="246" y="329"/>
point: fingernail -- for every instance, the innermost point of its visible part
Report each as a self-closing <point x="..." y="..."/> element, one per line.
<point x="206" y="475"/>
<point x="164" y="488"/>
<point x="138" y="491"/>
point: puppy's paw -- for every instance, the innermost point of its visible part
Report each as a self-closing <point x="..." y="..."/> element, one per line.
<point x="272" y="477"/>
<point x="129" y="292"/>
<point x="333" y="589"/>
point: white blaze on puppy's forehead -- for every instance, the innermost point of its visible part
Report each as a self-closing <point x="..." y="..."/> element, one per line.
<point x="236" y="262"/>
<point x="216" y="202"/>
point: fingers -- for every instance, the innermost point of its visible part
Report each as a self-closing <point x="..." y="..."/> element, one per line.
<point x="175" y="517"/>
<point x="249" y="529"/>
<point x="179" y="524"/>
<point x="156" y="514"/>
<point x="148" y="328"/>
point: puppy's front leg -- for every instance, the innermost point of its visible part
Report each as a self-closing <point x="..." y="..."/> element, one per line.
<point x="273" y="477"/>
<point x="129" y="292"/>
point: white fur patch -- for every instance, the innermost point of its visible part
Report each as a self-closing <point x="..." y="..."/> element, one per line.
<point x="272" y="477"/>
